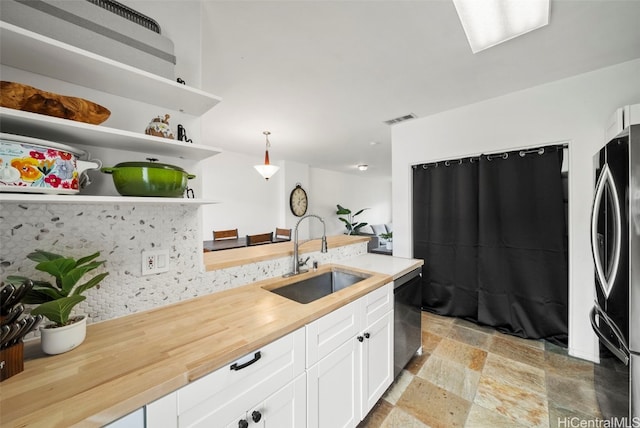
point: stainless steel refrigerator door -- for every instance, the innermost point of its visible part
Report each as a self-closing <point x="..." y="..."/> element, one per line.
<point x="634" y="238"/>
<point x="635" y="390"/>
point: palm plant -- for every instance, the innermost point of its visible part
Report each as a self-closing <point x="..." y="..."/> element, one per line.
<point x="353" y="227"/>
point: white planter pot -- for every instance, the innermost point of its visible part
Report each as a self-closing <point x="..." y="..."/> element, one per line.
<point x="62" y="339"/>
<point x="389" y="245"/>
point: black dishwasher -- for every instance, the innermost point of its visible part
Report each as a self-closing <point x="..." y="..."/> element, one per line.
<point x="407" y="318"/>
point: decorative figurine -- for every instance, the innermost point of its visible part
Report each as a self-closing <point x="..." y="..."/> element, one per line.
<point x="159" y="127"/>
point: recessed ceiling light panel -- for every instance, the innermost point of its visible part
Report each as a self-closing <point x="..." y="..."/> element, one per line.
<point x="490" y="22"/>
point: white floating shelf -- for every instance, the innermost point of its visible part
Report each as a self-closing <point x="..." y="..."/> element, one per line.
<point x="80" y="199"/>
<point x="26" y="50"/>
<point x="72" y="132"/>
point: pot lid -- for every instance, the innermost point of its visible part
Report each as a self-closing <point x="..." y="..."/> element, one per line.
<point x="141" y="164"/>
<point x="21" y="139"/>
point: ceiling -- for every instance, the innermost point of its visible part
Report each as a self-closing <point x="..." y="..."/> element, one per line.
<point x="323" y="76"/>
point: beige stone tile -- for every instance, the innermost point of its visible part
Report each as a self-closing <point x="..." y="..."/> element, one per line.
<point x="567" y="366"/>
<point x="376" y="417"/>
<point x="415" y="364"/>
<point x="436" y="324"/>
<point x="400" y="419"/>
<point x="517" y="350"/>
<point x="452" y="376"/>
<point x="473" y="326"/>
<point x="475" y="338"/>
<point x="430" y="341"/>
<point x="470" y="357"/>
<point x="560" y="417"/>
<point x="479" y="417"/>
<point x="568" y="393"/>
<point x="397" y="388"/>
<point x="515" y="374"/>
<point x="532" y="343"/>
<point x="433" y="405"/>
<point x="522" y="406"/>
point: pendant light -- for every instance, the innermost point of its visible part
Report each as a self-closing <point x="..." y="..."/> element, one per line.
<point x="267" y="170"/>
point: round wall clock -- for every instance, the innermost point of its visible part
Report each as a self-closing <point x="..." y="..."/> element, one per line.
<point x="298" y="201"/>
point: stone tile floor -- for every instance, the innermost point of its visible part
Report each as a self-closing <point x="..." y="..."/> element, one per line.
<point x="475" y="377"/>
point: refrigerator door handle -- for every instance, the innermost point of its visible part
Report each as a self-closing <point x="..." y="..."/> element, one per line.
<point x="621" y="351"/>
<point x="606" y="280"/>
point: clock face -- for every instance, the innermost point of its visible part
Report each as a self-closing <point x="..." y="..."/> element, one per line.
<point x="298" y="201"/>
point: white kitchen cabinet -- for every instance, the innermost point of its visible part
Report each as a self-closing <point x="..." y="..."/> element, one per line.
<point x="233" y="393"/>
<point x="350" y="375"/>
<point x="333" y="388"/>
<point x="286" y="408"/>
<point x="162" y="413"/>
<point x="326" y="334"/>
<point x="134" y="419"/>
<point x="377" y="361"/>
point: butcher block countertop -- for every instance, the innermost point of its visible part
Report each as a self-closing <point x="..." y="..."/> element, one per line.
<point x="128" y="362"/>
<point x="241" y="256"/>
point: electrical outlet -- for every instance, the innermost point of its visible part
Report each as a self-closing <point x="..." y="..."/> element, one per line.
<point x="155" y="261"/>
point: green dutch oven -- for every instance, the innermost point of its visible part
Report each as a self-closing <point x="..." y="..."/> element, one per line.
<point x="149" y="179"/>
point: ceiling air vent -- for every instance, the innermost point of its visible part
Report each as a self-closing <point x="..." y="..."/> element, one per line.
<point x="400" y="119"/>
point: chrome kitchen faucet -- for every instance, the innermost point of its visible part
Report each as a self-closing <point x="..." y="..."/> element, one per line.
<point x="297" y="262"/>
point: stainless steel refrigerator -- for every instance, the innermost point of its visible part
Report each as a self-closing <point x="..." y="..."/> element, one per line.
<point x="615" y="242"/>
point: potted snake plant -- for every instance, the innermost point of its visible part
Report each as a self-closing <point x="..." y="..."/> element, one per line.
<point x="56" y="300"/>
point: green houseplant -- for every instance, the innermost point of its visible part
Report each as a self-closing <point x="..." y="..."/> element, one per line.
<point x="353" y="227"/>
<point x="56" y="300"/>
<point x="388" y="236"/>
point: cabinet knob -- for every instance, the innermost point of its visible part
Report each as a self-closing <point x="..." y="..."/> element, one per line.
<point x="360" y="338"/>
<point x="242" y="423"/>
<point x="256" y="416"/>
<point x="367" y="335"/>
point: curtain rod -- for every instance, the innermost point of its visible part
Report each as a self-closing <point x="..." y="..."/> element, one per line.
<point x="492" y="155"/>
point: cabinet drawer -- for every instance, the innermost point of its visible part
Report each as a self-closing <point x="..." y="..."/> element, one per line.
<point x="279" y="363"/>
<point x="378" y="302"/>
<point x="332" y="330"/>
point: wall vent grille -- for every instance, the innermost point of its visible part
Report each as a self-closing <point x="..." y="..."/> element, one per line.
<point x="400" y="119"/>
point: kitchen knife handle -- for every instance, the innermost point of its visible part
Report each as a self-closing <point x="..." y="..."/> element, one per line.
<point x="256" y="357"/>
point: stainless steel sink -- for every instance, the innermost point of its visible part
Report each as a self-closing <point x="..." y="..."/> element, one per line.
<point x="310" y="289"/>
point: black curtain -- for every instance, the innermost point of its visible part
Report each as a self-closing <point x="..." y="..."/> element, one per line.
<point x="491" y="230"/>
<point x="445" y="228"/>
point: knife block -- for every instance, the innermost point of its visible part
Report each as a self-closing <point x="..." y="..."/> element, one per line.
<point x="11" y="360"/>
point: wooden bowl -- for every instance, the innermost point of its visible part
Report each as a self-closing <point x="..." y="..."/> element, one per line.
<point x="27" y="98"/>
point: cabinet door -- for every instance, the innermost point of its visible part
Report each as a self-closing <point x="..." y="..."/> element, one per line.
<point x="132" y="420"/>
<point x="377" y="361"/>
<point x="333" y="388"/>
<point x="326" y="334"/>
<point x="163" y="413"/>
<point x="286" y="408"/>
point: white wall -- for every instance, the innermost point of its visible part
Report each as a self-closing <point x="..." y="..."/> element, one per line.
<point x="247" y="201"/>
<point x="254" y="205"/>
<point x="351" y="191"/>
<point x="575" y="110"/>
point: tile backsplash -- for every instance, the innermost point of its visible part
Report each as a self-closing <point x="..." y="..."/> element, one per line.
<point x="121" y="232"/>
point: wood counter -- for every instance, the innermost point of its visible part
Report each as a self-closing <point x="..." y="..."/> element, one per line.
<point x="128" y="362"/>
<point x="241" y="256"/>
